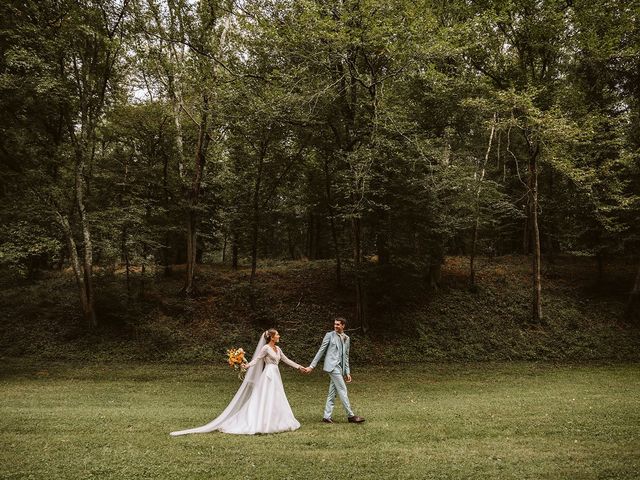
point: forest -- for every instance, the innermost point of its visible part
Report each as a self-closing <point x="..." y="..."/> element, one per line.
<point x="150" y="138"/>
<point x="438" y="197"/>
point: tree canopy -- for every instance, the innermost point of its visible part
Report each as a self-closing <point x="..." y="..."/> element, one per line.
<point x="384" y="135"/>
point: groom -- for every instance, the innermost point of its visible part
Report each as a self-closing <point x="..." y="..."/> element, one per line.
<point x="335" y="348"/>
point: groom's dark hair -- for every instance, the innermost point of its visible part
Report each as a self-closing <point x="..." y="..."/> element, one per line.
<point x="341" y="320"/>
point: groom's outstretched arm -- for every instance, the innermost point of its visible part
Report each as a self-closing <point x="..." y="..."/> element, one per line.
<point x="347" y="348"/>
<point x="321" y="351"/>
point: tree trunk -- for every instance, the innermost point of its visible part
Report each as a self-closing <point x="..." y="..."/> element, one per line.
<point x="93" y="59"/>
<point x="290" y="245"/>
<point x="166" y="249"/>
<point x="307" y="243"/>
<point x="189" y="287"/>
<point x="476" y="225"/>
<point x="526" y="231"/>
<point x="312" y="236"/>
<point x="87" y="258"/>
<point x="143" y="271"/>
<point x="384" y="256"/>
<point x="256" y="213"/>
<point x="167" y="238"/>
<point x="307" y="237"/>
<point x="382" y="237"/>
<point x="332" y="222"/>
<point x="361" y="318"/>
<point x="234" y="251"/>
<point x="62" y="257"/>
<point x="435" y="271"/>
<point x="535" y="232"/>
<point x="176" y="105"/>
<point x="176" y="57"/>
<point x="315" y="237"/>
<point x="224" y="248"/>
<point x="254" y="247"/>
<point x="125" y="250"/>
<point x="550" y="250"/>
<point x="472" y="257"/>
<point x="127" y="265"/>
<point x="633" y="305"/>
<point x="88" y="311"/>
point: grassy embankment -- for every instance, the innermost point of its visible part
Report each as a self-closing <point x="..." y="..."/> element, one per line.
<point x="410" y="323"/>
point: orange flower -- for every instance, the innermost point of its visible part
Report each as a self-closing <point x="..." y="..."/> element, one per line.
<point x="235" y="358"/>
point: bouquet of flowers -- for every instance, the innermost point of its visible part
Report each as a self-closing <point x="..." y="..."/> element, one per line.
<point x="235" y="357"/>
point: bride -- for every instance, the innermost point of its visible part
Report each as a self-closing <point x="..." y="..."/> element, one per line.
<point x="260" y="404"/>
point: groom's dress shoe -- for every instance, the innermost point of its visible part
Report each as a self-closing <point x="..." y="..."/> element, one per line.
<point x="327" y="420"/>
<point x="355" y="419"/>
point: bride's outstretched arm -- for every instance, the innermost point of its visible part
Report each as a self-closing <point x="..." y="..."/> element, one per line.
<point x="291" y="363"/>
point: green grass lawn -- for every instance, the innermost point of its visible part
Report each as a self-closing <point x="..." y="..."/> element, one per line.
<point x="482" y="421"/>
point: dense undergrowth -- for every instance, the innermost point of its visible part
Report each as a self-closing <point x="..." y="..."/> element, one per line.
<point x="408" y="322"/>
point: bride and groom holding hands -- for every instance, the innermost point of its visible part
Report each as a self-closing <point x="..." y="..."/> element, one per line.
<point x="260" y="404"/>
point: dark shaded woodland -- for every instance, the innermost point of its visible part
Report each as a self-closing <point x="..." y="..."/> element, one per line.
<point x="381" y="137"/>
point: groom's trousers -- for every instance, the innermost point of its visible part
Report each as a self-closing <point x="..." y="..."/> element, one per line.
<point x="337" y="386"/>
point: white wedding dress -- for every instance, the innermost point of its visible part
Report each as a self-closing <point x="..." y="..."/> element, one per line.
<point x="260" y="404"/>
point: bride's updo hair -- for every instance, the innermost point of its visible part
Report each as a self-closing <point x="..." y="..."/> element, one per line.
<point x="269" y="334"/>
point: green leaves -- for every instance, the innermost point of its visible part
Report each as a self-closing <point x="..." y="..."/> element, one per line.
<point x="369" y="110"/>
<point x="25" y="246"/>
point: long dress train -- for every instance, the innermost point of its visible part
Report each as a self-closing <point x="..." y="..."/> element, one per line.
<point x="260" y="405"/>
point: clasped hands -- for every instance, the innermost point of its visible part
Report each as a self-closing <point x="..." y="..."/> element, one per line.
<point x="307" y="370"/>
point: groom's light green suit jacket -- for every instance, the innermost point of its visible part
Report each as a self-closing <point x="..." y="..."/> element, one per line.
<point x="335" y="353"/>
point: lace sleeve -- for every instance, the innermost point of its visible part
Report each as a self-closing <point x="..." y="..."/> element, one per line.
<point x="291" y="363"/>
<point x="261" y="354"/>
